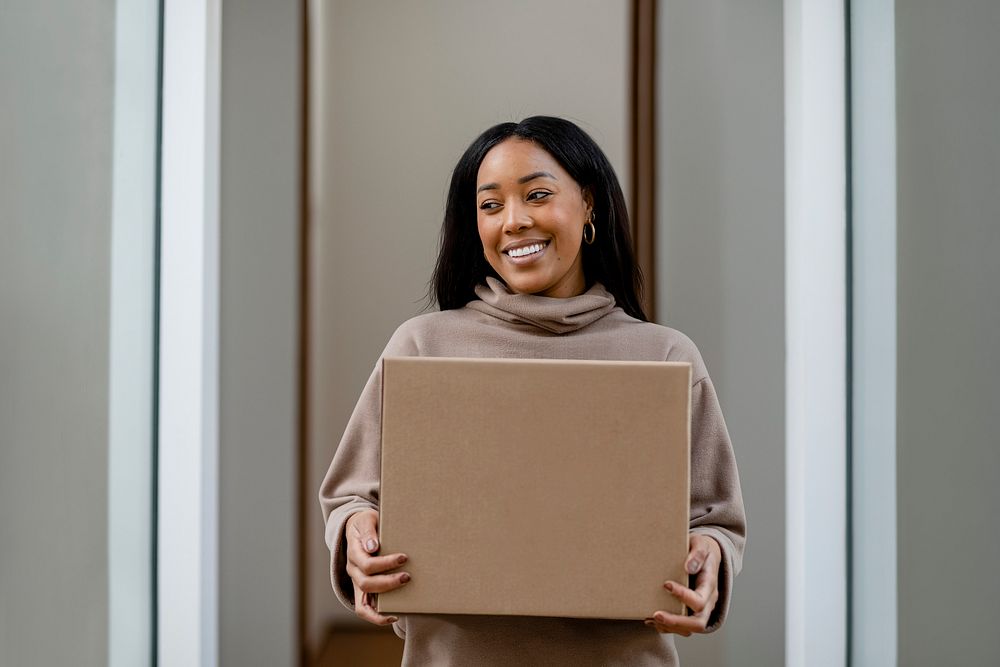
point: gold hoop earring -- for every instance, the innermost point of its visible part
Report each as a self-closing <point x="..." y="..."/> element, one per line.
<point x="589" y="225"/>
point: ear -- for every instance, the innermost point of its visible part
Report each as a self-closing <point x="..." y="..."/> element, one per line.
<point x="588" y="199"/>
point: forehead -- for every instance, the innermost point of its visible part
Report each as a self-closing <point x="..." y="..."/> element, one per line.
<point x="513" y="158"/>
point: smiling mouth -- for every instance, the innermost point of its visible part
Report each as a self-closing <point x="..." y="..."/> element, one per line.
<point x="527" y="250"/>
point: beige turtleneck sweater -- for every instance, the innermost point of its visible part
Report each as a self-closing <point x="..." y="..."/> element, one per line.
<point x="505" y="325"/>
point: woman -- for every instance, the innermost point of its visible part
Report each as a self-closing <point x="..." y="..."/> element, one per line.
<point x="546" y="271"/>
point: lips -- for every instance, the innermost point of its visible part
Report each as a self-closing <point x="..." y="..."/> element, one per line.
<point x="525" y="249"/>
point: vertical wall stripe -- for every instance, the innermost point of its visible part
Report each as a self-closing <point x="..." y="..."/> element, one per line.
<point x="131" y="332"/>
<point x="849" y="351"/>
<point x="643" y="146"/>
<point x="873" y="184"/>
<point x="305" y="493"/>
<point x="815" y="307"/>
<point x="154" y="471"/>
<point x="188" y="453"/>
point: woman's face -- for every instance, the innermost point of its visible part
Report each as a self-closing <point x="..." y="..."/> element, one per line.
<point x="531" y="215"/>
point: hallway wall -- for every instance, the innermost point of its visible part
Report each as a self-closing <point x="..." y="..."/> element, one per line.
<point x="57" y="77"/>
<point x="400" y="90"/>
<point x="948" y="450"/>
<point x="720" y="259"/>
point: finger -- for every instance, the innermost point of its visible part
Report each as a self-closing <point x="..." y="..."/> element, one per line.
<point x="364" y="608"/>
<point x="365" y="530"/>
<point x="680" y="624"/>
<point x="707" y="582"/>
<point x="693" y="623"/>
<point x="712" y="560"/>
<point x="365" y="564"/>
<point x="664" y="629"/>
<point x="382" y="583"/>
<point x="696" y="600"/>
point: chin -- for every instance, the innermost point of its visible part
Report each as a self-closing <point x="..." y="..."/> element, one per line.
<point x="524" y="288"/>
<point x="531" y="288"/>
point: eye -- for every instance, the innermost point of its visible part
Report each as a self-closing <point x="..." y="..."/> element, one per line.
<point x="536" y="195"/>
<point x="489" y="205"/>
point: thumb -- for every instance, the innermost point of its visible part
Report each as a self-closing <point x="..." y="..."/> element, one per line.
<point x="366" y="528"/>
<point x="697" y="556"/>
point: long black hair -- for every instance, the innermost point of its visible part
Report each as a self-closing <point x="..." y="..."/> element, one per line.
<point x="609" y="260"/>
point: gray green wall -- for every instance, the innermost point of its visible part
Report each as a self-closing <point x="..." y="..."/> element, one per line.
<point x="720" y="244"/>
<point x="258" y="329"/>
<point x="57" y="74"/>
<point x="948" y="392"/>
<point x="57" y="83"/>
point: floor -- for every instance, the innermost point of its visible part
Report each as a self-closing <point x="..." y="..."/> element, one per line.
<point x="361" y="648"/>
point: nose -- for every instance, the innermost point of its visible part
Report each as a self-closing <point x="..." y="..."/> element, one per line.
<point x="516" y="218"/>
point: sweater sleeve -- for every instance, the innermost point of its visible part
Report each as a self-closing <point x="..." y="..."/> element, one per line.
<point x="352" y="482"/>
<point x="716" y="498"/>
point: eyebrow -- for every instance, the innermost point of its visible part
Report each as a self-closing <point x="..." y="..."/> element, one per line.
<point x="521" y="181"/>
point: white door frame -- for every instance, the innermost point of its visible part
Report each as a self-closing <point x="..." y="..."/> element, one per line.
<point x="816" y="333"/>
<point x="188" y="494"/>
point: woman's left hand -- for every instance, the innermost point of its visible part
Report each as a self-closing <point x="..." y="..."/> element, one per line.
<point x="704" y="556"/>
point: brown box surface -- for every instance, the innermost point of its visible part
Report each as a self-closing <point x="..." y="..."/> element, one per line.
<point x="535" y="487"/>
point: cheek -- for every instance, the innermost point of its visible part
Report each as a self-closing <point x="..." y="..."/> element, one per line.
<point x="486" y="238"/>
<point x="483" y="234"/>
<point x="571" y="233"/>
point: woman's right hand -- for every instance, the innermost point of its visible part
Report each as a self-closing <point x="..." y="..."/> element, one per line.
<point x="365" y="568"/>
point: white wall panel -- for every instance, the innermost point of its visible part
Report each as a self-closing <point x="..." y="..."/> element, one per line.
<point x="816" y="334"/>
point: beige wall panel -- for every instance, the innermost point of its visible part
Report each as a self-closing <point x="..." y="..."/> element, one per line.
<point x="720" y="273"/>
<point x="399" y="90"/>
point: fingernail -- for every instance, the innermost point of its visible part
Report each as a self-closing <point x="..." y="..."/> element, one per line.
<point x="393" y="619"/>
<point x="405" y="578"/>
<point x="371" y="546"/>
<point x="402" y="559"/>
<point x="693" y="566"/>
<point x="669" y="586"/>
<point x="648" y="622"/>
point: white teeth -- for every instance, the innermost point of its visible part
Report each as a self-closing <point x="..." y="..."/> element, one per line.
<point x="526" y="250"/>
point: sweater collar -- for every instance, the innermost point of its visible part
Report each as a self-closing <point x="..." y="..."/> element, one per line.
<point x="552" y="314"/>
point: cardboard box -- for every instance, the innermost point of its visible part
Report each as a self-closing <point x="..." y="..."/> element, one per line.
<point x="535" y="487"/>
